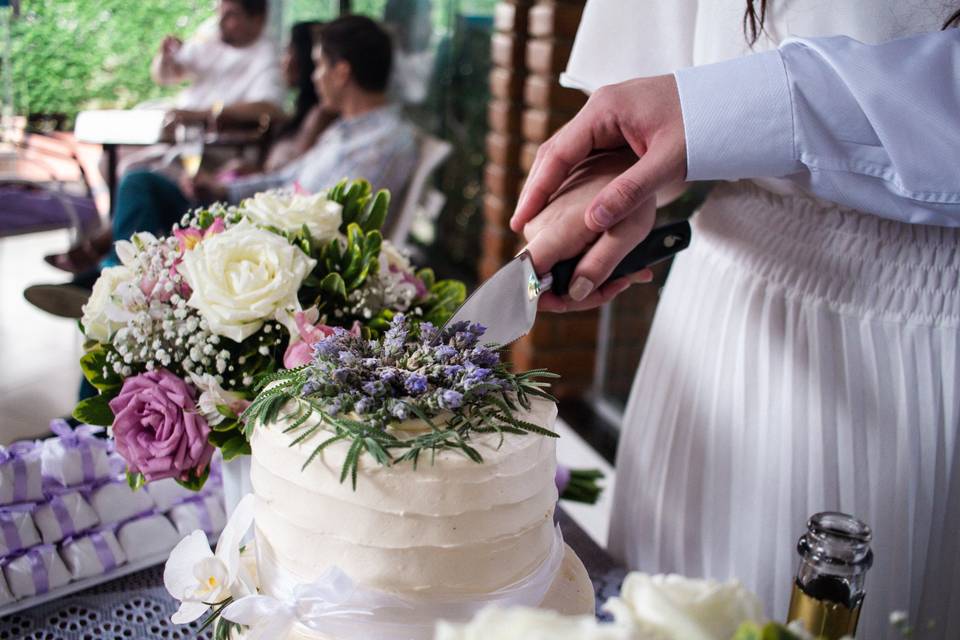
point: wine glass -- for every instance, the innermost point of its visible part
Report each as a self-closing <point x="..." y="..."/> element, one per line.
<point x="189" y="138"/>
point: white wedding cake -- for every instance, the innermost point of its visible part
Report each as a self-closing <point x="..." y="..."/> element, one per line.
<point x="397" y="481"/>
<point x="451" y="531"/>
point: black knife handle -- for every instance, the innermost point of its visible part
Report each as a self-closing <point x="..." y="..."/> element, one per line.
<point x="662" y="243"/>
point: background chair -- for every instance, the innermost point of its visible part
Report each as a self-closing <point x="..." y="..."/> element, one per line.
<point x="45" y="187"/>
<point x="420" y="201"/>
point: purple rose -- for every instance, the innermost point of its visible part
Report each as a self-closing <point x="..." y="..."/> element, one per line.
<point x="157" y="427"/>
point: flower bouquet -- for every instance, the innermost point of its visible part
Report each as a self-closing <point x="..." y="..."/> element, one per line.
<point x="181" y="331"/>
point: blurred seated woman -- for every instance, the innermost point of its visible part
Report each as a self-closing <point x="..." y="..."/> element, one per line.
<point x="295" y="135"/>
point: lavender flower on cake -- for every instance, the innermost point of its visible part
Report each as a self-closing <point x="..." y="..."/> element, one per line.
<point x="361" y="389"/>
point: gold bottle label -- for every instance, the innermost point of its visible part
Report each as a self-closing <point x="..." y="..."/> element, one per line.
<point x="823" y="619"/>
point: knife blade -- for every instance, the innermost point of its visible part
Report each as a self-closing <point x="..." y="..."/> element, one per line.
<point x="506" y="304"/>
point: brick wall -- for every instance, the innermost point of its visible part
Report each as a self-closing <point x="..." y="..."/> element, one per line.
<point x="529" y="49"/>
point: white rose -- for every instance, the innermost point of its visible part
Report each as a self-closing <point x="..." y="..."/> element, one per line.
<point x="291" y="211"/>
<point x="242" y="277"/>
<point x="99" y="316"/>
<point x="684" y="608"/>
<point x="521" y="623"/>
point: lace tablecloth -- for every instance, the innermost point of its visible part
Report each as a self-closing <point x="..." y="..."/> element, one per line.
<point x="137" y="607"/>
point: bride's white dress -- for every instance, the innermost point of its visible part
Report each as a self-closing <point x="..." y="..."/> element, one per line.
<point x="804" y="357"/>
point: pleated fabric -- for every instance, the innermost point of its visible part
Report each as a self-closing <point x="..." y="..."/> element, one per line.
<point x="804" y="358"/>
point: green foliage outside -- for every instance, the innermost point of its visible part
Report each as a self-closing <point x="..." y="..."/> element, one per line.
<point x="70" y="55"/>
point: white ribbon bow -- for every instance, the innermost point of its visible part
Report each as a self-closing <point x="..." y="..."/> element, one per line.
<point x="334" y="605"/>
<point x="315" y="605"/>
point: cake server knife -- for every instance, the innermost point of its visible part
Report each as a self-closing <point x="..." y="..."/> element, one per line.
<point x="506" y="304"/>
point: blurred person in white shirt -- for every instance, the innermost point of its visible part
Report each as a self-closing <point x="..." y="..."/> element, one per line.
<point x="230" y="64"/>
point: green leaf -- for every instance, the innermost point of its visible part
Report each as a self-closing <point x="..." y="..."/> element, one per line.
<point x="358" y="278"/>
<point x="235" y="447"/>
<point x="376" y="211"/>
<point x="135" y="480"/>
<point x="195" y="482"/>
<point x="372" y="244"/>
<point x="219" y="438"/>
<point x="355" y="236"/>
<point x="93" y="363"/>
<point x="449" y="293"/>
<point x="336" y="192"/>
<point x="226" y="411"/>
<point x="353" y="202"/>
<point x="354" y="259"/>
<point x="333" y="284"/>
<point x="427" y="277"/>
<point x="95" y="410"/>
<point x="225" y="426"/>
<point x="446" y="296"/>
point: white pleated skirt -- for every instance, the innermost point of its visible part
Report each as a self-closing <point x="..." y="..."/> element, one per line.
<point x="803" y="358"/>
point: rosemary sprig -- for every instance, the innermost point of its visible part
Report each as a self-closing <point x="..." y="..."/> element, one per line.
<point x="356" y="389"/>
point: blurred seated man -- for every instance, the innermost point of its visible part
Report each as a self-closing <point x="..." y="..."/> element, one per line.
<point x="369" y="140"/>
<point x="294" y="135"/>
<point x="229" y="63"/>
<point x="232" y="73"/>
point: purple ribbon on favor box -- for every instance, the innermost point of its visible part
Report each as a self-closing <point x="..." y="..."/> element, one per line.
<point x="100" y="545"/>
<point x="15" y="454"/>
<point x="62" y="514"/>
<point x="38" y="569"/>
<point x="11" y="534"/>
<point x="104" y="553"/>
<point x="82" y="438"/>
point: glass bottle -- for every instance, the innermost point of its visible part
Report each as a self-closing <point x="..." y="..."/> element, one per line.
<point x="829" y="588"/>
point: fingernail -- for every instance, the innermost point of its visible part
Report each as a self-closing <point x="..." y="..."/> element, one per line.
<point x="581" y="288"/>
<point x="602" y="217"/>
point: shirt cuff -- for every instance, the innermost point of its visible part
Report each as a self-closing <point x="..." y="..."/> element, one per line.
<point x="738" y="119"/>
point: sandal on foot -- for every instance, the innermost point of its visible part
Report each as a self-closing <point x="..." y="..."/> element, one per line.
<point x="64" y="300"/>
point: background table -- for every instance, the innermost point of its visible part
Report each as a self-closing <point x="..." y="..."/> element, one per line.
<point x="137" y="607"/>
<point x="115" y="128"/>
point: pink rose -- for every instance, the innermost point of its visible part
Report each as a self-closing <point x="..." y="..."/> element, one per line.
<point x="300" y="350"/>
<point x="157" y="427"/>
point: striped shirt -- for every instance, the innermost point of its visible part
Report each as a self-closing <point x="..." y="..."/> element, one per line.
<point x="379" y="146"/>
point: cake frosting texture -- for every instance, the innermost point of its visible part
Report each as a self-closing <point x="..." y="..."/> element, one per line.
<point x="450" y="527"/>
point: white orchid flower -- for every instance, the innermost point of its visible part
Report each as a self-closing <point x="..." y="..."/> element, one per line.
<point x="199" y="577"/>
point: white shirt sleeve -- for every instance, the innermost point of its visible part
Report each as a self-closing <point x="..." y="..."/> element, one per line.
<point x="872" y="127"/>
<point x="199" y="47"/>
